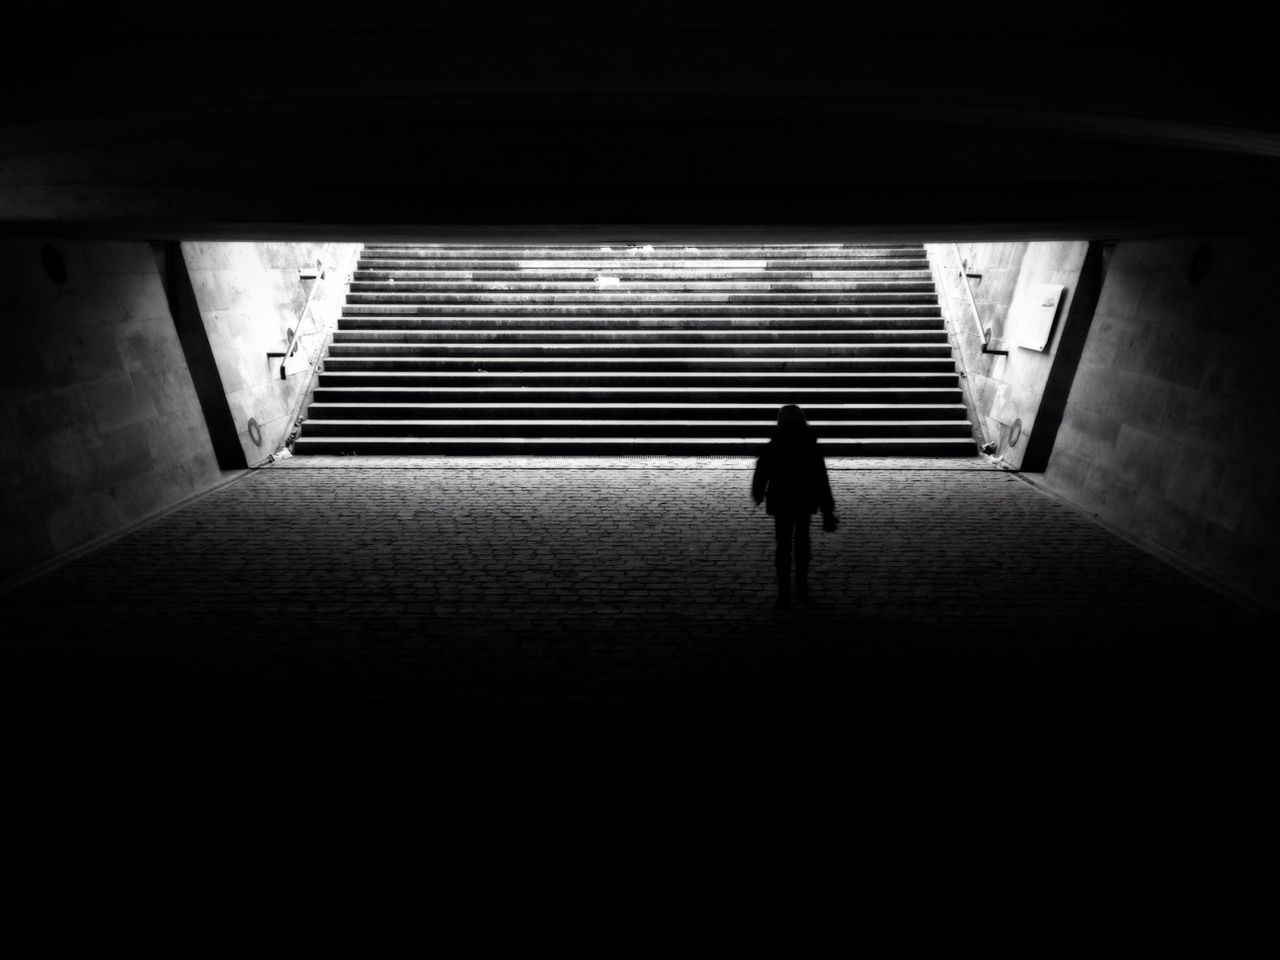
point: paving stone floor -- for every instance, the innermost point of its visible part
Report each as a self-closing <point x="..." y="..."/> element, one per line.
<point x="593" y="632"/>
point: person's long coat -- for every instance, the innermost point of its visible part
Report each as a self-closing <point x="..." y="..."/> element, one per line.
<point x="791" y="476"/>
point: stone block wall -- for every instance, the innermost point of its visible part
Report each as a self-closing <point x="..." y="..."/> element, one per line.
<point x="1171" y="425"/>
<point x="1005" y="391"/>
<point x="249" y="296"/>
<point x="100" y="424"/>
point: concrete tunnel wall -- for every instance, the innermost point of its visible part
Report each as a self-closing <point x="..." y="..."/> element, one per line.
<point x="249" y="296"/>
<point x="102" y="423"/>
<point x="1005" y="391"/>
<point x="1167" y="433"/>
<point x="1171" y="427"/>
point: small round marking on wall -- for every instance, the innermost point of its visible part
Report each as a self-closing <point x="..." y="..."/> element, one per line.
<point x="255" y="432"/>
<point x="1201" y="261"/>
<point x="1015" y="433"/>
<point x="55" y="266"/>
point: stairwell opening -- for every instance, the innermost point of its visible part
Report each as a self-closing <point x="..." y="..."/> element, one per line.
<point x="643" y="349"/>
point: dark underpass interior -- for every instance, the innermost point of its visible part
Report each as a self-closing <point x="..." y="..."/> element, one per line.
<point x="526" y="656"/>
<point x="381" y="392"/>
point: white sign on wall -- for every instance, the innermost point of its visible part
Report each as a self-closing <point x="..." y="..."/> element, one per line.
<point x="1034" y="312"/>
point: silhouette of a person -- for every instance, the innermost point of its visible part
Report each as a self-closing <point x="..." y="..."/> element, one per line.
<point x="791" y="478"/>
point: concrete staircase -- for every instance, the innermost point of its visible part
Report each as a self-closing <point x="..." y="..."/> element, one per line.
<point x="647" y="350"/>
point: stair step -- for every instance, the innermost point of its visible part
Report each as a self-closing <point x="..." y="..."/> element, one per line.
<point x="674" y="275"/>
<point x="752" y="366"/>
<point x="521" y="392"/>
<point x="754" y="259"/>
<point x="607" y="298"/>
<point x="636" y="288"/>
<point x="649" y="378"/>
<point x="625" y="446"/>
<point x="604" y="310"/>
<point x="585" y="427"/>
<point x="401" y="262"/>
<point x="578" y="251"/>
<point x="637" y="351"/>
<point x="328" y="410"/>
<point x="638" y="336"/>
<point x="589" y="322"/>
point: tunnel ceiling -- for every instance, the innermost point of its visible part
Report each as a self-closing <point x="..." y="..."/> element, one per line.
<point x="617" y="120"/>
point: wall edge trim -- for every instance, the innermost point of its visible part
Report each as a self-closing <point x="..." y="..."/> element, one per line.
<point x="1203" y="577"/>
<point x="12" y="583"/>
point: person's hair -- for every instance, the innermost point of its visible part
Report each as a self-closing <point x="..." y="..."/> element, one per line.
<point x="792" y="424"/>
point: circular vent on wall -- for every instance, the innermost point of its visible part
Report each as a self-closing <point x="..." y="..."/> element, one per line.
<point x="1015" y="433"/>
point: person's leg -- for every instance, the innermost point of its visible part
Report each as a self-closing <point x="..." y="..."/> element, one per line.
<point x="802" y="554"/>
<point x="782" y="525"/>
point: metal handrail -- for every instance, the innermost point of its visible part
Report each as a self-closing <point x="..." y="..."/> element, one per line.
<point x="984" y="335"/>
<point x="295" y="335"/>
<point x="985" y="443"/>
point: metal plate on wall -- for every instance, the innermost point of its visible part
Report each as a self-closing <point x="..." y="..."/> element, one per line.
<point x="1034" y="313"/>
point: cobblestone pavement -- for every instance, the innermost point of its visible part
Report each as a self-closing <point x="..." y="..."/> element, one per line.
<point x="613" y="621"/>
